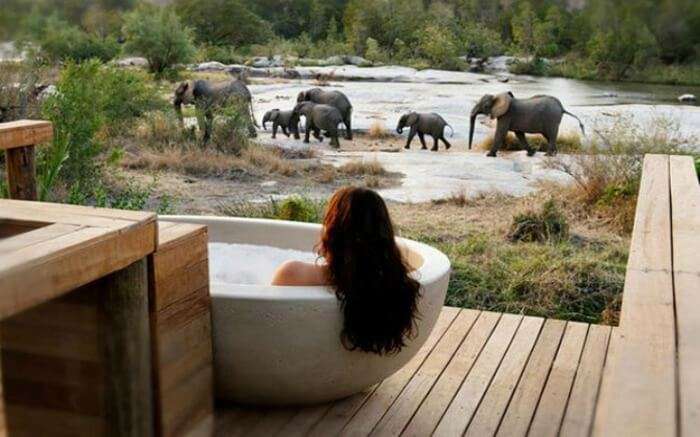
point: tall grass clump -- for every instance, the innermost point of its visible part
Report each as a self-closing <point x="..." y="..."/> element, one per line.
<point x="545" y="226"/>
<point x="294" y="208"/>
<point x="607" y="173"/>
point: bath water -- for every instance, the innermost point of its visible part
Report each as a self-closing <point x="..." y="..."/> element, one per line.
<point x="249" y="264"/>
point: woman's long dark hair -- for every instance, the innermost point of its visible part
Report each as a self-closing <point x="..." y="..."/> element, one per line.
<point x="378" y="297"/>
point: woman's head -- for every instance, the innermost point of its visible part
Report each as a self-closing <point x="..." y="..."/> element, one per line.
<point x="378" y="297"/>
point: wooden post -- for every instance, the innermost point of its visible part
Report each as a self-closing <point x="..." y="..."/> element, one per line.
<point x="18" y="138"/>
<point x="127" y="352"/>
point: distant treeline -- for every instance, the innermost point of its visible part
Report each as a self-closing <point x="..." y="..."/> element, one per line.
<point x="609" y="36"/>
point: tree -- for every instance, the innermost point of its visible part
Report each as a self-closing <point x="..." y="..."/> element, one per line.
<point x="157" y="34"/>
<point x="224" y="22"/>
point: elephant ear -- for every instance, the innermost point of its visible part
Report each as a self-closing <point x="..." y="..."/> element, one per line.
<point x="412" y="119"/>
<point x="501" y="104"/>
<point x="274" y="114"/>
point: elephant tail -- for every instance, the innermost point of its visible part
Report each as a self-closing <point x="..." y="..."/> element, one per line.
<point x="252" y="114"/>
<point x="452" y="131"/>
<point x="583" y="129"/>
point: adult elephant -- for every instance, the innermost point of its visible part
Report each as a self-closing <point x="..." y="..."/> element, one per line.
<point x="536" y="115"/>
<point x="424" y="124"/>
<point x="320" y="118"/>
<point x="208" y="96"/>
<point x="332" y="98"/>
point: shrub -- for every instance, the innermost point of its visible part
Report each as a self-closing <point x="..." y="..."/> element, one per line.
<point x="76" y="116"/>
<point x="545" y="226"/>
<point x="232" y="127"/>
<point x="299" y="209"/>
<point x="294" y="208"/>
<point x="128" y="94"/>
<point x="438" y="45"/>
<point x="157" y="34"/>
<point x="478" y="40"/>
<point x="361" y="168"/>
<point x="223" y="54"/>
<point x="373" y="52"/>
<point x="697" y="166"/>
<point x="60" y="41"/>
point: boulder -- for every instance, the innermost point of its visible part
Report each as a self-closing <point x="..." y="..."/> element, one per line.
<point x="357" y="60"/>
<point x="263" y="62"/>
<point x="687" y="98"/>
<point x="211" y="66"/>
<point x="134" y="61"/>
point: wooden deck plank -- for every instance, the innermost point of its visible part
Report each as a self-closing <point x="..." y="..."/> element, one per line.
<point x="426" y="418"/>
<point x="273" y="421"/>
<point x="304" y="420"/>
<point x="339" y="414"/>
<point x="232" y="421"/>
<point x="550" y="410"/>
<point x="383" y="397"/>
<point x="521" y="409"/>
<point x="584" y="394"/>
<point x="22" y="133"/>
<point x="463" y="406"/>
<point x="402" y="410"/>
<point x="642" y="397"/>
<point x="71" y="212"/>
<point x="685" y="198"/>
<point x="493" y="405"/>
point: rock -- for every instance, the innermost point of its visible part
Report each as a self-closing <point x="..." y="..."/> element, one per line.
<point x="269" y="184"/>
<point x="498" y="64"/>
<point x="263" y="62"/>
<point x="334" y="60"/>
<point x="687" y="98"/>
<point x="211" y="66"/>
<point x="503" y="79"/>
<point x="46" y="92"/>
<point x="131" y="62"/>
<point x="357" y="60"/>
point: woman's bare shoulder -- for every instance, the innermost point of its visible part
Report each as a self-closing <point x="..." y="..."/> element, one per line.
<point x="300" y="273"/>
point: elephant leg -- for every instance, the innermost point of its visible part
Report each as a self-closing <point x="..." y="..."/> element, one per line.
<point x="552" y="141"/>
<point x="307" y="131"/>
<point x="501" y="132"/>
<point x="447" y="143"/>
<point x="333" y="134"/>
<point x="411" y="134"/>
<point x="284" y="131"/>
<point x="208" y="124"/>
<point x="274" y="130"/>
<point x="348" y="127"/>
<point x="435" y="145"/>
<point x="421" y="137"/>
<point x="523" y="142"/>
<point x="295" y="129"/>
<point x="317" y="134"/>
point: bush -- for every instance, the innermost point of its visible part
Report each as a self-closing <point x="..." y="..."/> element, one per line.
<point x="547" y="226"/>
<point x="232" y="127"/>
<point x="59" y="41"/>
<point x="479" y="41"/>
<point x="294" y="208"/>
<point x="127" y="95"/>
<point x="76" y="116"/>
<point x="224" y="54"/>
<point x="157" y="34"/>
<point x="439" y="46"/>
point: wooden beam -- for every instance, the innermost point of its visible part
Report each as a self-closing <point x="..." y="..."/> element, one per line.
<point x="127" y="351"/>
<point x="23" y="133"/>
<point x="685" y="211"/>
<point x="21" y="173"/>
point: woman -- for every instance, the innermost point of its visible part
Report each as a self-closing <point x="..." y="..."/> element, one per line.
<point x="365" y="267"/>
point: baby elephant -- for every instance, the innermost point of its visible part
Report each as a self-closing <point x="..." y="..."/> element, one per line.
<point x="320" y="118"/>
<point x="287" y="120"/>
<point x="420" y="123"/>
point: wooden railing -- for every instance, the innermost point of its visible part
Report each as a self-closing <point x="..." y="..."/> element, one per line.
<point x="651" y="386"/>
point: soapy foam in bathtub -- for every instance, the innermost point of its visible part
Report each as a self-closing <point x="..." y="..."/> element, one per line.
<point x="249" y="264"/>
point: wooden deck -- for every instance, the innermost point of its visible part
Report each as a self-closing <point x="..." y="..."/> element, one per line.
<point x="480" y="372"/>
<point x="490" y="374"/>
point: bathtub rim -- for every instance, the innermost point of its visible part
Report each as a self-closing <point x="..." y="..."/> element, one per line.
<point x="435" y="264"/>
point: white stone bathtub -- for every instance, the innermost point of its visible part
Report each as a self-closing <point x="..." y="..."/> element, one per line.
<point x="281" y="345"/>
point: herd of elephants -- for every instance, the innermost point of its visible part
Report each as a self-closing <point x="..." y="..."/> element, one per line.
<point x="324" y="111"/>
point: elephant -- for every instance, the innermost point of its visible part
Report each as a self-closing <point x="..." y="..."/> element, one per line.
<point x="207" y="96"/>
<point x="537" y="115"/>
<point x="320" y="118"/>
<point x="287" y="120"/>
<point x="332" y="98"/>
<point x="423" y="123"/>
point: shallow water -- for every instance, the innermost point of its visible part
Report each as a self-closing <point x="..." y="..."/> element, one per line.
<point x="249" y="264"/>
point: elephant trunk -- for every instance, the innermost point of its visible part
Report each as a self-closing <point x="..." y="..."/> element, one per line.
<point x="178" y="111"/>
<point x="472" y="120"/>
<point x="399" y="130"/>
<point x="265" y="119"/>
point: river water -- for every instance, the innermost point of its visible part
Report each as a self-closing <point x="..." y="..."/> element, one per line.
<point x="452" y="94"/>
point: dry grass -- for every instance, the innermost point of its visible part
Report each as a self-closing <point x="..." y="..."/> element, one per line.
<point x="267" y="160"/>
<point x="567" y="142"/>
<point x="377" y="131"/>
<point x="363" y="168"/>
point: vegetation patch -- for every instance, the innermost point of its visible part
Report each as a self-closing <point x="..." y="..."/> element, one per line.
<point x="545" y="226"/>
<point x="567" y="142"/>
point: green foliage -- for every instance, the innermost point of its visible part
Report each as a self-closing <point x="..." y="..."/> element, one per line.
<point x="221" y="22"/>
<point x="697" y="166"/>
<point x="437" y="46"/>
<point x="158" y="35"/>
<point x="232" y="127"/>
<point x="479" y="41"/>
<point x="295" y="208"/>
<point x="60" y="41"/>
<point x="90" y="97"/>
<point x="373" y="52"/>
<point x="223" y="54"/>
<point x="546" y="226"/>
<point x="74" y="111"/>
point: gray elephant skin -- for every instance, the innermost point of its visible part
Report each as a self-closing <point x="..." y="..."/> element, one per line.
<point x="320" y="118"/>
<point x="332" y="98"/>
<point x="424" y="124"/>
<point x="537" y="115"/>
<point x="287" y="120"/>
<point x="208" y="96"/>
